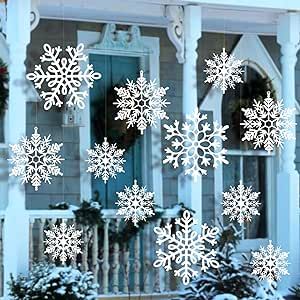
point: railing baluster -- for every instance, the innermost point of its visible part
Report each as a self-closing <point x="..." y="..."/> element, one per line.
<point x="41" y="254"/>
<point x="157" y="271"/>
<point x="167" y="274"/>
<point x="85" y="249"/>
<point x="95" y="254"/>
<point x="147" y="258"/>
<point x="105" y="265"/>
<point x="137" y="264"/>
<point x="126" y="264"/>
<point x="31" y="222"/>
<point x="116" y="263"/>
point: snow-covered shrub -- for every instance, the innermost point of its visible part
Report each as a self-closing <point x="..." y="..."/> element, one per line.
<point x="46" y="281"/>
<point x="233" y="279"/>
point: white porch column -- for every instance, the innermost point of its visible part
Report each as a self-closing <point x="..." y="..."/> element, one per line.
<point x="287" y="216"/>
<point x="188" y="190"/>
<point x="16" y="230"/>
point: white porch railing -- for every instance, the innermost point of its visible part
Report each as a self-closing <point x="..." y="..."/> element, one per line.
<point x="118" y="269"/>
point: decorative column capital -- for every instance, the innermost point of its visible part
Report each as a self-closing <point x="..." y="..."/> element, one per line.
<point x="175" y="29"/>
<point x="184" y="28"/>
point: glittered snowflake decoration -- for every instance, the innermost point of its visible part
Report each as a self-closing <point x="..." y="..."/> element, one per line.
<point x="196" y="145"/>
<point x="141" y="103"/>
<point x="270" y="263"/>
<point x="240" y="203"/>
<point x="268" y="123"/>
<point x="186" y="247"/>
<point x="105" y="160"/>
<point x="135" y="203"/>
<point x="63" y="242"/>
<point x="36" y="159"/>
<point x="223" y="71"/>
<point x="63" y="76"/>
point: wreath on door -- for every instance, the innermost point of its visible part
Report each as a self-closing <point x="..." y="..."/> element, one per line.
<point x="3" y="87"/>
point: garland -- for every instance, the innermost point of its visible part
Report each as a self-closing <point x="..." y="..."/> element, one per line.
<point x="3" y="87"/>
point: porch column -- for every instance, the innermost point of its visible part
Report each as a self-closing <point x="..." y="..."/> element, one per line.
<point x="16" y="226"/>
<point x="190" y="191"/>
<point x="287" y="216"/>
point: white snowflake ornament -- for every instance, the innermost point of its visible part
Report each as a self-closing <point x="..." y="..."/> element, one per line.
<point x="186" y="247"/>
<point x="270" y="263"/>
<point x="223" y="71"/>
<point x="268" y="123"/>
<point x="63" y="76"/>
<point x="196" y="145"/>
<point x="63" y="242"/>
<point x="240" y="203"/>
<point x="36" y="159"/>
<point x="135" y="203"/>
<point x="105" y="160"/>
<point x="141" y="103"/>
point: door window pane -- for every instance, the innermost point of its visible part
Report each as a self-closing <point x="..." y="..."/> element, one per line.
<point x="115" y="70"/>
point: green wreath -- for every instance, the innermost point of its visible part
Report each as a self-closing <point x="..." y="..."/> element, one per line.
<point x="3" y="87"/>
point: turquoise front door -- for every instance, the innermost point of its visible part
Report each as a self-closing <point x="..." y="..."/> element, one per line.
<point x="115" y="70"/>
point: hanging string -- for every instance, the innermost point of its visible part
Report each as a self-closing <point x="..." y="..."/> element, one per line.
<point x="63" y="128"/>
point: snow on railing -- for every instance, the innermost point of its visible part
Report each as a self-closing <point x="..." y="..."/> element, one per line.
<point x="118" y="268"/>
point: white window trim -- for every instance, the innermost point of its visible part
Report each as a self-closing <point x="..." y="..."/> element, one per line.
<point x="251" y="49"/>
<point x="151" y="140"/>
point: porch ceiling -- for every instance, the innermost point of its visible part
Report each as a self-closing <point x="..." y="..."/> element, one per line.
<point x="250" y="16"/>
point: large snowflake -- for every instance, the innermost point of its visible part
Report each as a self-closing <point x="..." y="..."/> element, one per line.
<point x="36" y="159"/>
<point x="186" y="247"/>
<point x="63" y="76"/>
<point x="63" y="242"/>
<point x="197" y="145"/>
<point x="241" y="203"/>
<point x="135" y="203"/>
<point x="105" y="160"/>
<point x="224" y="71"/>
<point x="268" y="123"/>
<point x="270" y="263"/>
<point x="141" y="103"/>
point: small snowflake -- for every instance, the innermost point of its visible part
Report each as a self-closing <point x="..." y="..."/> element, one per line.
<point x="240" y="203"/>
<point x="141" y="103"/>
<point x="63" y="76"/>
<point x="224" y="71"/>
<point x="186" y="247"/>
<point x="135" y="203"/>
<point x="196" y="144"/>
<point x="270" y="263"/>
<point x="105" y="160"/>
<point x="267" y="124"/>
<point x="63" y="242"/>
<point x="36" y="159"/>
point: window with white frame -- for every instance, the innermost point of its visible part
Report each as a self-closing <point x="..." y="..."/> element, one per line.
<point x="247" y="164"/>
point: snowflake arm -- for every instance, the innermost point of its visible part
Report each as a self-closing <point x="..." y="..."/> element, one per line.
<point x="105" y="160"/>
<point x="135" y="203"/>
<point x="63" y="242"/>
<point x="186" y="247"/>
<point x="141" y="103"/>
<point x="270" y="263"/>
<point x="196" y="145"/>
<point x="223" y="71"/>
<point x="63" y="76"/>
<point x="36" y="159"/>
